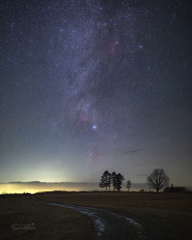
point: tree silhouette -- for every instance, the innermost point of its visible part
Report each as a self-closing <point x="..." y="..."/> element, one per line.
<point x="114" y="180"/>
<point x="128" y="185"/>
<point x="105" y="180"/>
<point x="109" y="179"/>
<point x="158" y="179"/>
<point x="119" y="180"/>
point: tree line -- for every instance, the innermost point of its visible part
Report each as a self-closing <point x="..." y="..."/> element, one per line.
<point x="176" y="189"/>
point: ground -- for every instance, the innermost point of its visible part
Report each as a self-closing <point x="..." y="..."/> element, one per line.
<point x="162" y="216"/>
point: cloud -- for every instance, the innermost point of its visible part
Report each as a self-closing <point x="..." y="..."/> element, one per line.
<point x="38" y="182"/>
<point x="31" y="187"/>
<point x="133" y="151"/>
<point x="37" y="186"/>
<point x="143" y="175"/>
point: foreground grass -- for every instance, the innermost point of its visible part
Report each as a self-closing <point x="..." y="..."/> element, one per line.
<point x="164" y="215"/>
<point x="51" y="222"/>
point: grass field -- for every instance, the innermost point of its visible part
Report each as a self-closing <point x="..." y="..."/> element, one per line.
<point x="163" y="216"/>
<point x="53" y="223"/>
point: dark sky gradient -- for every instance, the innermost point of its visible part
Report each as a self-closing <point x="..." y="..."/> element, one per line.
<point x="89" y="86"/>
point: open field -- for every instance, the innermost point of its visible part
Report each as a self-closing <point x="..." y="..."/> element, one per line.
<point x="163" y="216"/>
<point x="51" y="222"/>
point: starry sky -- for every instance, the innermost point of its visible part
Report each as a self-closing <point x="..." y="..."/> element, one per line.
<point x="89" y="86"/>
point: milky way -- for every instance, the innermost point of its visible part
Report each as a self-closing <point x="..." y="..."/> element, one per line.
<point x="93" y="85"/>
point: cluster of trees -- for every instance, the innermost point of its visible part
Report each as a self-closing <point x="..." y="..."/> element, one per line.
<point x="112" y="179"/>
<point x="157" y="180"/>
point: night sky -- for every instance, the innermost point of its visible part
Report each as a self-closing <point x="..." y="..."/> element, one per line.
<point x="89" y="86"/>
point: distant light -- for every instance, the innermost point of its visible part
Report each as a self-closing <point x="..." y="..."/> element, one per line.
<point x="140" y="46"/>
<point x="94" y="126"/>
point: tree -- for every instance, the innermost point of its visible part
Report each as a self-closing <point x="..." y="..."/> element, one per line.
<point x="114" y="180"/>
<point x="128" y="185"/>
<point x="105" y="180"/>
<point x="119" y="180"/>
<point x="109" y="179"/>
<point x="158" y="179"/>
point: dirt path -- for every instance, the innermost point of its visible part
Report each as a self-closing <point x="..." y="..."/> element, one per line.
<point x="109" y="225"/>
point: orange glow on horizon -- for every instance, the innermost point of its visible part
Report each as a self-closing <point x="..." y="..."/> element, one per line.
<point x="11" y="188"/>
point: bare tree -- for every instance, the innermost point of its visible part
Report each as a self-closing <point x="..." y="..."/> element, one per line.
<point x="158" y="179"/>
